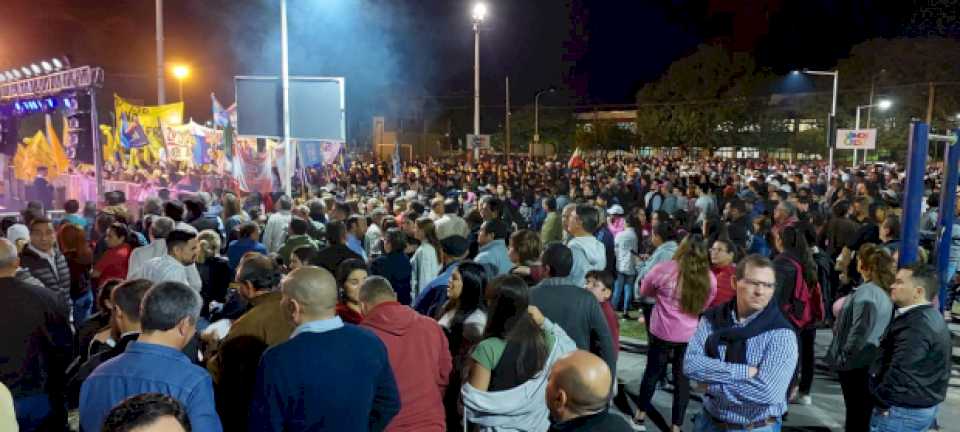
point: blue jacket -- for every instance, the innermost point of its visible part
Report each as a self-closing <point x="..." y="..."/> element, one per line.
<point x="494" y="256"/>
<point x="395" y="266"/>
<point x="434" y="295"/>
<point x="239" y="248"/>
<point x="337" y="380"/>
<point x="149" y="368"/>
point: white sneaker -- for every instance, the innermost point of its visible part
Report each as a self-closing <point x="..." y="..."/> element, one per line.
<point x="804" y="400"/>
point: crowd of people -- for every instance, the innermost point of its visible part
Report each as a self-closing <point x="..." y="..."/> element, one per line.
<point x="486" y="297"/>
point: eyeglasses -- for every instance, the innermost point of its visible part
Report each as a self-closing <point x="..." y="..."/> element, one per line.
<point x="760" y="284"/>
<point x="716" y="249"/>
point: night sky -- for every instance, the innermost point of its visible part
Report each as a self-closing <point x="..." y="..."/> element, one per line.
<point x="394" y="53"/>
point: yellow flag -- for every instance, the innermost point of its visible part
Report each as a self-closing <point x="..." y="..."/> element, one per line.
<point x="60" y="162"/>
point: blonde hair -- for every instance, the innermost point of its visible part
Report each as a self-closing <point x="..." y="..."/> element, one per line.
<point x="209" y="244"/>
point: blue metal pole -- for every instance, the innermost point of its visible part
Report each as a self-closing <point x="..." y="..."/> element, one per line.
<point x="948" y="198"/>
<point x="916" y="167"/>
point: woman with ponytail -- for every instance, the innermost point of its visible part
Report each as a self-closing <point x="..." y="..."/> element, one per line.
<point x="683" y="288"/>
<point x="861" y="322"/>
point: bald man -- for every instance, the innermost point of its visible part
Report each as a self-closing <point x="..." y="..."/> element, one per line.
<point x="329" y="375"/>
<point x="577" y="395"/>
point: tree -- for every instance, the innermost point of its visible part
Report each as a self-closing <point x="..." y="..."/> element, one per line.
<point x="704" y="100"/>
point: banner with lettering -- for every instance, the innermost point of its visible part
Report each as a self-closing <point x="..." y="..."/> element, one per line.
<point x="251" y="168"/>
<point x="857" y="139"/>
<point x="141" y="128"/>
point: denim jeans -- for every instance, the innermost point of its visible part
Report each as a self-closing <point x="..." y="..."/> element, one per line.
<point x="898" y="419"/>
<point x="623" y="291"/>
<point x="946" y="295"/>
<point x="81" y="308"/>
<point x="32" y="411"/>
<point x="704" y="424"/>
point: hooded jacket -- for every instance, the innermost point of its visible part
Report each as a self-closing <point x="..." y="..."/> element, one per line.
<point x="588" y="254"/>
<point x="419" y="357"/>
<point x="522" y="408"/>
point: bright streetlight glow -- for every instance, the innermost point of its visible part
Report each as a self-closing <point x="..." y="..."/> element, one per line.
<point x="479" y="11"/>
<point x="180" y="72"/>
<point x="884" y="104"/>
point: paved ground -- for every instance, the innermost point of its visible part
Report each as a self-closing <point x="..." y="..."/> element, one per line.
<point x="825" y="414"/>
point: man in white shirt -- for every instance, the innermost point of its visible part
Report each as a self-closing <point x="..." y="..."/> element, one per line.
<point x="160" y="228"/>
<point x="276" y="230"/>
<point x="175" y="266"/>
<point x="450" y="224"/>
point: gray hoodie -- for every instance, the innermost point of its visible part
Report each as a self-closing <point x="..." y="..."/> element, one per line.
<point x="588" y="254"/>
<point x="522" y="408"/>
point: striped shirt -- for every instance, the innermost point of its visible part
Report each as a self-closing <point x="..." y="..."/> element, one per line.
<point x="732" y="395"/>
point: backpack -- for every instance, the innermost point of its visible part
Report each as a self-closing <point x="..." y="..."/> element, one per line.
<point x="805" y="306"/>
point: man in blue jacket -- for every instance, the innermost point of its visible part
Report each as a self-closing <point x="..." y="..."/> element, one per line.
<point x="154" y="363"/>
<point x="329" y="375"/>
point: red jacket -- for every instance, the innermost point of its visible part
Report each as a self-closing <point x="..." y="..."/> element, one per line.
<point x="725" y="289"/>
<point x="421" y="364"/>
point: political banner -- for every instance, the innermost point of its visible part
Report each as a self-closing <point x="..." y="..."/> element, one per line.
<point x="142" y="128"/>
<point x="179" y="141"/>
<point x="857" y="139"/>
<point x="251" y="168"/>
<point x="313" y="153"/>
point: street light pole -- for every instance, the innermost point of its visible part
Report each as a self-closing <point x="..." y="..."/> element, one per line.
<point x="180" y="85"/>
<point x="833" y="115"/>
<point x="536" y="115"/>
<point x="479" y="12"/>
<point x="285" y="84"/>
<point x="161" y="93"/>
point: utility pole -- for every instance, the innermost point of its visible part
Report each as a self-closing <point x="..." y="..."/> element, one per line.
<point x="930" y="97"/>
<point x="161" y="92"/>
<point x="507" y="121"/>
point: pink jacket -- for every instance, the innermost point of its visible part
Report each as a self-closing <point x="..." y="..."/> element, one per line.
<point x="667" y="321"/>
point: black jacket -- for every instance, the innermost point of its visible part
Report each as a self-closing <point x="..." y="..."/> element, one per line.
<point x="578" y="313"/>
<point x="603" y="421"/>
<point x="913" y="368"/>
<point x="35" y="340"/>
<point x="56" y="279"/>
<point x="737" y="231"/>
<point x="330" y="257"/>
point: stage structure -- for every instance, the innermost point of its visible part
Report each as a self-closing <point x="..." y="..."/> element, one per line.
<point x="46" y="86"/>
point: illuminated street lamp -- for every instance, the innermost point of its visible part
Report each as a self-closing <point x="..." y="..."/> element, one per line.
<point x="882" y="105"/>
<point x="479" y="13"/>
<point x="181" y="72"/>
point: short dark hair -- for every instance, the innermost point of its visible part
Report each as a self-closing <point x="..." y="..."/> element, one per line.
<point x="589" y="216"/>
<point x="927" y="277"/>
<point x="39" y="220"/>
<point x="178" y="238"/>
<point x="559" y="258"/>
<point x="299" y="226"/>
<point x="450" y="206"/>
<point x="335" y="232"/>
<point x="166" y="304"/>
<point x="342" y="207"/>
<point x="418" y="207"/>
<point x="173" y="209"/>
<point x="247" y="229"/>
<point x="664" y="230"/>
<point x="753" y="261"/>
<point x="128" y="295"/>
<point x="550" y="204"/>
<point x="739" y="205"/>
<point x="142" y="410"/>
<point x="495" y="227"/>
<point x="353" y="221"/>
<point x="605" y="277"/>
<point x="71" y="206"/>
<point x="261" y="271"/>
<point x="397" y="239"/>
<point x="496" y="206"/>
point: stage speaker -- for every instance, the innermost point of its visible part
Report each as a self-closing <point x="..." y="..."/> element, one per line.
<point x="81" y="137"/>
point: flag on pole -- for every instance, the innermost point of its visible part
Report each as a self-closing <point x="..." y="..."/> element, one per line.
<point x="222" y="116"/>
<point x="576" y="160"/>
<point x="60" y="161"/>
<point x="396" y="161"/>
